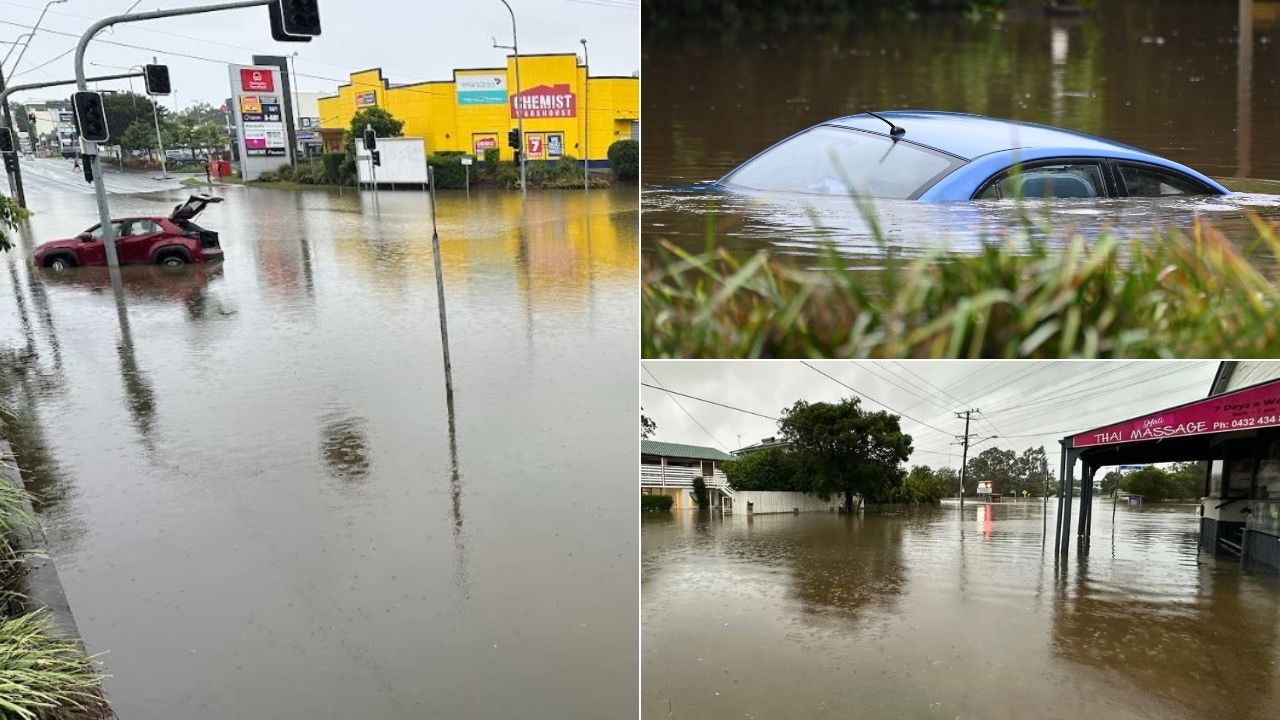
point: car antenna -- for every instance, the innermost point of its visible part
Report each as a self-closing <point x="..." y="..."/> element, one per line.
<point x="894" y="130"/>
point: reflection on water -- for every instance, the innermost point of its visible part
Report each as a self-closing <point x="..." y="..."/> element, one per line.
<point x="251" y="474"/>
<point x="1171" y="77"/>
<point x="938" y="614"/>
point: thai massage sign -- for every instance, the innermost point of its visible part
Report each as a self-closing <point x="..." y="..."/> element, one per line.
<point x="545" y="101"/>
<point x="1253" y="407"/>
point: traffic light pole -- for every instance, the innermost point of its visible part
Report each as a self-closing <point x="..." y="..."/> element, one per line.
<point x="15" y="177"/>
<point x="82" y="84"/>
<point x="4" y="100"/>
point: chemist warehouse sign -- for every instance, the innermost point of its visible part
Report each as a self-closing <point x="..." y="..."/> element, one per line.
<point x="1254" y="407"/>
<point x="545" y="101"/>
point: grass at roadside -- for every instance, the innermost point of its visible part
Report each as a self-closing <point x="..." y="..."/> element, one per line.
<point x="45" y="676"/>
<point x="1173" y="294"/>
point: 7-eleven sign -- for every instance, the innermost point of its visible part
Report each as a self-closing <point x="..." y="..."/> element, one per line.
<point x="534" y="146"/>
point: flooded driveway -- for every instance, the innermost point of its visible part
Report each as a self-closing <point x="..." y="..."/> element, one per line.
<point x="1184" y="79"/>
<point x="941" y="614"/>
<point x="256" y="494"/>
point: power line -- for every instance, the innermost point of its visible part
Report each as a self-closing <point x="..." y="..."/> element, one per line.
<point x="686" y="411"/>
<point x="709" y="402"/>
<point x="859" y="392"/>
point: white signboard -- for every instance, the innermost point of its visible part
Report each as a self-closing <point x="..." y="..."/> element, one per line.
<point x="404" y="161"/>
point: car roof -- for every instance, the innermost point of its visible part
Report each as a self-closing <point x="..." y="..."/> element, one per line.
<point x="971" y="136"/>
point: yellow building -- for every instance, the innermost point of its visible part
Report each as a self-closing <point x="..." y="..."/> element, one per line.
<point x="565" y="112"/>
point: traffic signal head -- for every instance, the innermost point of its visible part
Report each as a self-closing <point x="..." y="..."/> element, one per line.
<point x="377" y="158"/>
<point x="91" y="116"/>
<point x="6" y="140"/>
<point x="513" y="139"/>
<point x="10" y="162"/>
<point x="86" y="162"/>
<point x="157" y="77"/>
<point x="294" y="20"/>
<point x="370" y="138"/>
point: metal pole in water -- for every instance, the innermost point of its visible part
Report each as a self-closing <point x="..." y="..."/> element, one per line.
<point x="435" y="254"/>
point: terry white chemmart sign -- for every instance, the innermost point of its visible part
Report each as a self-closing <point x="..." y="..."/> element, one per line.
<point x="545" y="101"/>
<point x="476" y="87"/>
<point x="1254" y="407"/>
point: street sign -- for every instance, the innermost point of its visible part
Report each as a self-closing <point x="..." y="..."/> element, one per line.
<point x="466" y="160"/>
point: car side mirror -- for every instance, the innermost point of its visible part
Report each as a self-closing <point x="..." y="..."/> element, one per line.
<point x="84" y="237"/>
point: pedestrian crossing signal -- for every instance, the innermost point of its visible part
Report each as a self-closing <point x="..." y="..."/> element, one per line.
<point x="6" y="140"/>
<point x="87" y="164"/>
<point x="91" y="116"/>
<point x="157" y="78"/>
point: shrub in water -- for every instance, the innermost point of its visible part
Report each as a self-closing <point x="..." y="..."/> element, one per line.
<point x="624" y="159"/>
<point x="450" y="174"/>
<point x="656" y="503"/>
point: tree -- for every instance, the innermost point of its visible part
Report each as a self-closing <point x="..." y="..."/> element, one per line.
<point x="124" y="109"/>
<point x="1186" y="480"/>
<point x="923" y="485"/>
<point x="1110" y="482"/>
<point x="700" y="492"/>
<point x="843" y="449"/>
<point x="647" y="426"/>
<point x="1033" y="472"/>
<point x="11" y="213"/>
<point x="771" y="469"/>
<point x="1151" y="483"/>
<point x="382" y="122"/>
<point x="951" y="478"/>
<point x="138" y="136"/>
<point x="993" y="465"/>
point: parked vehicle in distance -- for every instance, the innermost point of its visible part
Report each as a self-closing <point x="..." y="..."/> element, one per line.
<point x="939" y="156"/>
<point x="172" y="240"/>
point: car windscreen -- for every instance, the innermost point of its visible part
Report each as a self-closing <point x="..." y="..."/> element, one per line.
<point x="829" y="160"/>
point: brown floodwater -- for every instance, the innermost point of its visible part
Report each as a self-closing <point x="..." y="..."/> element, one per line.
<point x="1181" y="78"/>
<point x="258" y="499"/>
<point x="943" y="614"/>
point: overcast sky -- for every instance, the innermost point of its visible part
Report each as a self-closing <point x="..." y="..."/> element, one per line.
<point x="411" y="40"/>
<point x="1025" y="403"/>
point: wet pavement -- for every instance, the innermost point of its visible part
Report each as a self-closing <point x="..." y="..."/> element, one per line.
<point x="1182" y="79"/>
<point x="936" y="614"/>
<point x="256" y="494"/>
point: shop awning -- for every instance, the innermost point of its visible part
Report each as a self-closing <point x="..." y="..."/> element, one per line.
<point x="1250" y="408"/>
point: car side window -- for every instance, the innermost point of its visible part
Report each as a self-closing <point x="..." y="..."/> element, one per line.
<point x="143" y="227"/>
<point x="1062" y="180"/>
<point x="117" y="229"/>
<point x="1147" y="181"/>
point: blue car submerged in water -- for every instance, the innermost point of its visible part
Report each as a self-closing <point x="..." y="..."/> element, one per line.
<point x="940" y="156"/>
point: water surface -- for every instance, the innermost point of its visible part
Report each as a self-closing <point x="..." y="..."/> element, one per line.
<point x="1183" y="78"/>
<point x="941" y="614"/>
<point x="255" y="491"/>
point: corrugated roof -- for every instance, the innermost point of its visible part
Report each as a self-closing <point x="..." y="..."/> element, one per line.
<point x="680" y="450"/>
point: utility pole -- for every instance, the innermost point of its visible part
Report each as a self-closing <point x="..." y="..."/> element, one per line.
<point x="964" y="455"/>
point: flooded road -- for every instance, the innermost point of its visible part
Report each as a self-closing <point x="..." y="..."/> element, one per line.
<point x="255" y="492"/>
<point x="1185" y="79"/>
<point x="933" y="614"/>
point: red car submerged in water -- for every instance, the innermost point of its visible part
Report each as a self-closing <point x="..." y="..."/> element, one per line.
<point x="173" y="240"/>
